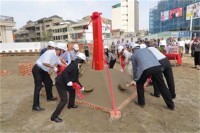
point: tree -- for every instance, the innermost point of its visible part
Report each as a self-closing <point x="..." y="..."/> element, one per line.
<point x="47" y="36"/>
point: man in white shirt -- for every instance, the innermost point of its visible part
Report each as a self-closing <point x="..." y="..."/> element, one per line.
<point x="123" y="43"/>
<point x="74" y="52"/>
<point x="41" y="73"/>
<point x="163" y="42"/>
<point x="181" y="44"/>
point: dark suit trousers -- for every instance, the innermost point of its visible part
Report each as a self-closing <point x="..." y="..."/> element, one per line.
<point x="63" y="100"/>
<point x="168" y="73"/>
<point x="40" y="76"/>
<point x="72" y="94"/>
<point x="157" y="78"/>
<point x="112" y="63"/>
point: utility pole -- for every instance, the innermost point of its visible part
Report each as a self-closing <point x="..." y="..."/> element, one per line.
<point x="191" y="20"/>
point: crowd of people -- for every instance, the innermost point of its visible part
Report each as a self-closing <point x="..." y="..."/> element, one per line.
<point x="183" y="46"/>
<point x="144" y="57"/>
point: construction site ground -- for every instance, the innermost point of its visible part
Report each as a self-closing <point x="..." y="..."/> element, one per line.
<point x="17" y="97"/>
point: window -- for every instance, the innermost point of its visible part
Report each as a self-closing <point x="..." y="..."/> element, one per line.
<point x="37" y="28"/>
<point x="65" y="37"/>
<point x="64" y="29"/>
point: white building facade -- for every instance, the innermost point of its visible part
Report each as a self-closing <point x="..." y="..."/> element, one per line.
<point x="125" y="18"/>
<point x="6" y="25"/>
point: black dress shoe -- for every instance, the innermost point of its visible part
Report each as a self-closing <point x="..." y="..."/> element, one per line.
<point x="52" y="99"/>
<point x="74" y="106"/>
<point x="37" y="108"/>
<point x="57" y="119"/>
<point x="60" y="119"/>
<point x="171" y="108"/>
<point x="154" y="95"/>
<point x="174" y="96"/>
<point x="142" y="106"/>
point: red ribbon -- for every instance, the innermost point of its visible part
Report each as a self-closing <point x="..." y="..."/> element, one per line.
<point x="77" y="88"/>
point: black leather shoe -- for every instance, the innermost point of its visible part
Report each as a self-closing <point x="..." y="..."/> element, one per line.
<point x="57" y="119"/>
<point x="142" y="106"/>
<point x="154" y="95"/>
<point x="74" y="106"/>
<point x="171" y="108"/>
<point x="37" y="108"/>
<point x="52" y="99"/>
<point x="60" y="119"/>
<point x="174" y="96"/>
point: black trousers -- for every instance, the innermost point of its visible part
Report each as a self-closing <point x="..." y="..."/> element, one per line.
<point x="87" y="54"/>
<point x="40" y="76"/>
<point x="187" y="48"/>
<point x="156" y="73"/>
<point x="168" y="73"/>
<point x="196" y="58"/>
<point x="112" y="63"/>
<point x="64" y="98"/>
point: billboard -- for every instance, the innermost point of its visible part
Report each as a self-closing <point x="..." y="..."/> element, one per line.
<point x="193" y="10"/>
<point x="164" y="15"/>
<point x="175" y="13"/>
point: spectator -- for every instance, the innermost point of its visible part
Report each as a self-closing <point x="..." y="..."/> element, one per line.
<point x="113" y="48"/>
<point x="197" y="53"/>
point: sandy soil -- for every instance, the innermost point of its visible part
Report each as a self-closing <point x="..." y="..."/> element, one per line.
<point x="17" y="115"/>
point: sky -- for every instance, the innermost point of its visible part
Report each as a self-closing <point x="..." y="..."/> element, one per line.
<point x="25" y="10"/>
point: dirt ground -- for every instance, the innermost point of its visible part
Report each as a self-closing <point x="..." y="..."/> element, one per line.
<point x="17" y="115"/>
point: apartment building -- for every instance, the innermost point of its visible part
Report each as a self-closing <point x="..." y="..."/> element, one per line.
<point x="125" y="18"/>
<point x="57" y="29"/>
<point x="40" y="30"/>
<point x="6" y="24"/>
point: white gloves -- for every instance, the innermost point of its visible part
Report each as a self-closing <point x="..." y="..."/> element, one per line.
<point x="82" y="89"/>
<point x="55" y="69"/>
<point x="69" y="83"/>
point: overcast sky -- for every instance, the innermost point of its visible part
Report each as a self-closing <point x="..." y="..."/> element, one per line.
<point x="25" y="10"/>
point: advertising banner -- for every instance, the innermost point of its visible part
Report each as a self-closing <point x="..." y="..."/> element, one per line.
<point x="184" y="34"/>
<point x="193" y="11"/>
<point x="164" y="15"/>
<point x="175" y="13"/>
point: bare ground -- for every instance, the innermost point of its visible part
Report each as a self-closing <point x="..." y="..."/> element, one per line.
<point x="17" y="115"/>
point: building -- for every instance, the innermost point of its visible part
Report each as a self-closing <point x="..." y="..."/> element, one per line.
<point x="125" y="18"/>
<point x="40" y="30"/>
<point x="56" y="29"/>
<point x="6" y="24"/>
<point x="174" y="15"/>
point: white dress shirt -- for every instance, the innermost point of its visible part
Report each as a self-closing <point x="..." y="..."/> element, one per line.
<point x="157" y="53"/>
<point x="48" y="57"/>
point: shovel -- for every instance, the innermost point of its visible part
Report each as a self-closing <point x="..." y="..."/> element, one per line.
<point x="122" y="87"/>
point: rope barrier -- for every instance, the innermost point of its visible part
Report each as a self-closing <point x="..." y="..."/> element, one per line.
<point x="111" y="90"/>
<point x="83" y="31"/>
